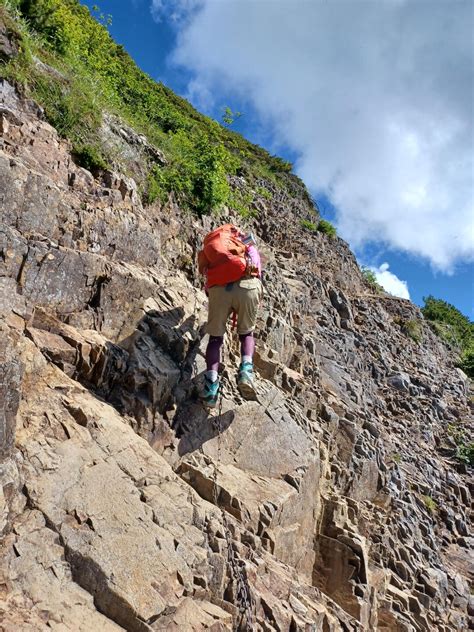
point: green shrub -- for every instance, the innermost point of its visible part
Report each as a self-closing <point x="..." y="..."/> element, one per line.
<point x="453" y="328"/>
<point x="241" y="201"/>
<point x="464" y="447"/>
<point x="196" y="173"/>
<point x="446" y="332"/>
<point x="311" y="226"/>
<point x="70" y="105"/>
<point x="229" y="116"/>
<point x="90" y="157"/>
<point x="411" y="328"/>
<point x="371" y="280"/>
<point x="265" y="193"/>
<point x="430" y="504"/>
<point x="369" y="276"/>
<point x="465" y="453"/>
<point x="437" y="310"/>
<point x="466" y="362"/>
<point x="154" y="189"/>
<point x="17" y="69"/>
<point x="326" y="228"/>
<point x="45" y="17"/>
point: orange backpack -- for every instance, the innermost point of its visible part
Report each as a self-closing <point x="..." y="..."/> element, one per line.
<point x="224" y="256"/>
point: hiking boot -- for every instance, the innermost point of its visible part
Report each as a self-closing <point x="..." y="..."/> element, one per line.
<point x="210" y="393"/>
<point x="246" y="381"/>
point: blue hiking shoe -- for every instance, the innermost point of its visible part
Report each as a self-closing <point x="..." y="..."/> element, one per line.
<point x="246" y="381"/>
<point x="210" y="393"/>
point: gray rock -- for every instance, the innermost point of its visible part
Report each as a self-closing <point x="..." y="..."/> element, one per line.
<point x="399" y="381"/>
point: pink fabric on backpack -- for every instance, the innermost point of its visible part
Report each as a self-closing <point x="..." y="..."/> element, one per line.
<point x="255" y="258"/>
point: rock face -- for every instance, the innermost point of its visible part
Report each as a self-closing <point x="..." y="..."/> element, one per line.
<point x="333" y="502"/>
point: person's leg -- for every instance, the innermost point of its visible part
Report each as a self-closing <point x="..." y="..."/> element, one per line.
<point x="245" y="379"/>
<point x="213" y="356"/>
<point x="247" y="347"/>
<point x="249" y="299"/>
<point x="219" y="307"/>
<point x="210" y="392"/>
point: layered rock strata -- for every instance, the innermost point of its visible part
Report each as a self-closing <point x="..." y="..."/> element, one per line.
<point x="332" y="502"/>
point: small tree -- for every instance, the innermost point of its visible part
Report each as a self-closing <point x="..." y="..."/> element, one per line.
<point x="229" y="116"/>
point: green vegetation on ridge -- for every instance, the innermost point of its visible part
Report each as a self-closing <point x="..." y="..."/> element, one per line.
<point x="69" y="64"/>
<point x="369" y="276"/>
<point x="322" y="226"/>
<point x="453" y="328"/>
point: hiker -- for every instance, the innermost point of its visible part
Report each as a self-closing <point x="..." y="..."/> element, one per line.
<point x="231" y="263"/>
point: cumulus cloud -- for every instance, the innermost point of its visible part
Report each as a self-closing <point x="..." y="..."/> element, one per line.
<point x="390" y="282"/>
<point x="374" y="97"/>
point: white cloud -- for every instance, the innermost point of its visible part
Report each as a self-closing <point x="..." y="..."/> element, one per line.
<point x="374" y="97"/>
<point x="174" y="10"/>
<point x="390" y="282"/>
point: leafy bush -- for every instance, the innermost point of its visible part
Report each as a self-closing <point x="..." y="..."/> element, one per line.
<point x="264" y="192"/>
<point x="311" y="226"/>
<point x="467" y="360"/>
<point x="48" y="18"/>
<point x="70" y="106"/>
<point x="241" y="201"/>
<point x="229" y="116"/>
<point x="196" y="175"/>
<point x="90" y="157"/>
<point x="326" y="228"/>
<point x="371" y="280"/>
<point x="440" y="311"/>
<point x="369" y="276"/>
<point x="411" y="328"/>
<point x="453" y="328"/>
<point x="154" y="189"/>
<point x="465" y="453"/>
<point x="278" y="164"/>
<point x="446" y="332"/>
<point x="464" y="447"/>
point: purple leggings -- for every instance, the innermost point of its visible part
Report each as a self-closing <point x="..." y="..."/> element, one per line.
<point x="213" y="351"/>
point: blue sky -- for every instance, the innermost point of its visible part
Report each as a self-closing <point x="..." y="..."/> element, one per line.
<point x="383" y="138"/>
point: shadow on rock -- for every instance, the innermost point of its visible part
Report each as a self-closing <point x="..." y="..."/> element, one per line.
<point x="145" y="375"/>
<point x="194" y="426"/>
<point x="160" y="356"/>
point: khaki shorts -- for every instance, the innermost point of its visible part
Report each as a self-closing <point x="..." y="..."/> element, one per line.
<point x="243" y="297"/>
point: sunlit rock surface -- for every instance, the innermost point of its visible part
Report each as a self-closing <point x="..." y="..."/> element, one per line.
<point x="333" y="502"/>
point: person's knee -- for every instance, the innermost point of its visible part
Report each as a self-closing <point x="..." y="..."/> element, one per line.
<point x="243" y="337"/>
<point x="216" y="340"/>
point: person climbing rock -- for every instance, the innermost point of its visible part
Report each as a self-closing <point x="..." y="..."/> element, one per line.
<point x="231" y="262"/>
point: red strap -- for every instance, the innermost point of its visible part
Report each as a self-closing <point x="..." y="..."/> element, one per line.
<point x="234" y="320"/>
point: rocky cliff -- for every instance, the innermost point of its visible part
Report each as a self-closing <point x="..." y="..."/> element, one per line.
<point x="333" y="502"/>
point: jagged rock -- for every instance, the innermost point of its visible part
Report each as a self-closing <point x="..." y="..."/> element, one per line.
<point x="8" y="47"/>
<point x="11" y="371"/>
<point x="332" y="502"/>
<point x="401" y="381"/>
